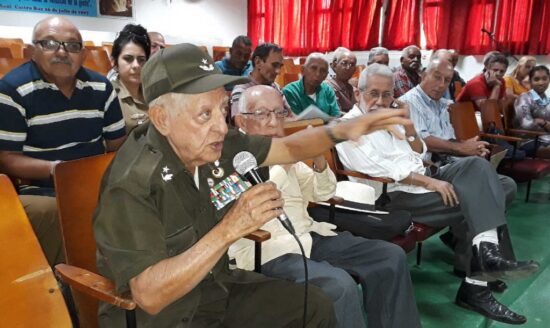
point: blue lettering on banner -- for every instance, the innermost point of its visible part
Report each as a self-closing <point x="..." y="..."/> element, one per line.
<point x="64" y="7"/>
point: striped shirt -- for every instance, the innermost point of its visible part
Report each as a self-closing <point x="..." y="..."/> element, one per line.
<point x="39" y="121"/>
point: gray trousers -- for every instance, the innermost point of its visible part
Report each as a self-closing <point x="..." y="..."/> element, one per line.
<point x="481" y="208"/>
<point x="379" y="266"/>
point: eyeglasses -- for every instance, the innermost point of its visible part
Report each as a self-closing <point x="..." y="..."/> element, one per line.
<point x="376" y="95"/>
<point x="346" y="64"/>
<point x="263" y="114"/>
<point x="53" y="45"/>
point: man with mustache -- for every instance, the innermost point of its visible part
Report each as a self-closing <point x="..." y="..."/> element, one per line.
<point x="407" y="76"/>
<point x="51" y="110"/>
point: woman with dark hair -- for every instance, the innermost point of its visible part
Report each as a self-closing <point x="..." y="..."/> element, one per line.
<point x="131" y="49"/>
<point x="533" y="108"/>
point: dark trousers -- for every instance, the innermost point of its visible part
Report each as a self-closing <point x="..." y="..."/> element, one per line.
<point x="379" y="266"/>
<point x="266" y="303"/>
<point x="481" y="208"/>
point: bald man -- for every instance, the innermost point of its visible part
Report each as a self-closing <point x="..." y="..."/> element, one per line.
<point x="54" y="110"/>
<point x="407" y="76"/>
<point x="157" y="42"/>
<point x="333" y="257"/>
<point x="311" y="88"/>
<point x="456" y="82"/>
<point x="343" y="64"/>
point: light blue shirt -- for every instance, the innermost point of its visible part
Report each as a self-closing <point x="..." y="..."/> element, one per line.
<point x="430" y="117"/>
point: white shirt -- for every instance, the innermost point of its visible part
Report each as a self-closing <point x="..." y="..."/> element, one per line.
<point x="381" y="154"/>
<point x="299" y="185"/>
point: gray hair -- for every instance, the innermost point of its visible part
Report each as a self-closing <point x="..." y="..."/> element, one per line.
<point x="377" y="51"/>
<point x="254" y="91"/>
<point x="168" y="101"/>
<point x="373" y="70"/>
<point x="438" y="52"/>
<point x="408" y="49"/>
<point x="339" y="52"/>
<point x="315" y="55"/>
<point x="436" y="62"/>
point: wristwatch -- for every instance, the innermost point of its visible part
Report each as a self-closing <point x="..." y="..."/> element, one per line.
<point x="411" y="138"/>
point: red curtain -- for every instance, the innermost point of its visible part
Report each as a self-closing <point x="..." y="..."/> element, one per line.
<point x="514" y="25"/>
<point x="305" y="26"/>
<point x="539" y="38"/>
<point x="402" y="25"/>
<point x="457" y="25"/>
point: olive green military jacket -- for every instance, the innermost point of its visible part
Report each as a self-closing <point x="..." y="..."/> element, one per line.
<point x="150" y="209"/>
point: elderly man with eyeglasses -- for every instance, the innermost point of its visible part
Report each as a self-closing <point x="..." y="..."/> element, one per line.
<point x="343" y="64"/>
<point x="334" y="258"/>
<point x="51" y="110"/>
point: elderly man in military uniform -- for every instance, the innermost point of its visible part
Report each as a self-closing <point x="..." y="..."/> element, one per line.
<point x="163" y="224"/>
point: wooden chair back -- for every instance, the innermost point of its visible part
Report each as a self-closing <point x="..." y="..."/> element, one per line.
<point x="295" y="126"/>
<point x="15" y="45"/>
<point x="28" y="51"/>
<point x="7" y="64"/>
<point x="508" y="113"/>
<point x="290" y="67"/>
<point x="77" y="188"/>
<point x="491" y="115"/>
<point x="219" y="52"/>
<point x="458" y="88"/>
<point x="108" y="47"/>
<point x="97" y="60"/>
<point x="5" y="52"/>
<point x="30" y="294"/>
<point x="88" y="43"/>
<point x="463" y="119"/>
<point x="358" y="70"/>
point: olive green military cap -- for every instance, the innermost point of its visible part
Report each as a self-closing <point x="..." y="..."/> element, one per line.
<point x="182" y="68"/>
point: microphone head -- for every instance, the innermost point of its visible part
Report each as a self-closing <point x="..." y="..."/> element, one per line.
<point x="244" y="162"/>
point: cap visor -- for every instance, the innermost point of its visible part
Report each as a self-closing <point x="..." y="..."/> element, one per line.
<point x="210" y="82"/>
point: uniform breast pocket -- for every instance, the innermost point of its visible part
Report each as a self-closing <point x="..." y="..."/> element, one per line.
<point x="180" y="240"/>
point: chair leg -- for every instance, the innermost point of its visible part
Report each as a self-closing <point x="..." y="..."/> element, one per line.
<point x="528" y="191"/>
<point x="131" y="319"/>
<point x="258" y="257"/>
<point x="418" y="253"/>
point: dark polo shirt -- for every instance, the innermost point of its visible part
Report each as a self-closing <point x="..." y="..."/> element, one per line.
<point x="150" y="209"/>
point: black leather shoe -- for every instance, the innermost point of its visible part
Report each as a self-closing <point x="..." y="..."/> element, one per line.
<point x="497" y="286"/>
<point x="481" y="300"/>
<point x="488" y="264"/>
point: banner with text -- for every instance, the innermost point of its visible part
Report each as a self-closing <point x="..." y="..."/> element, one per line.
<point x="53" y="7"/>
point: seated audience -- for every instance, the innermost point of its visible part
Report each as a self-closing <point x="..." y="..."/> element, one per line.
<point x="533" y="108"/>
<point x="380" y="266"/>
<point x="157" y="42"/>
<point x="238" y="63"/>
<point x="267" y="61"/>
<point x="430" y="114"/>
<point x="311" y="88"/>
<point x="487" y="85"/>
<point x="439" y="197"/>
<point x="343" y="65"/>
<point x="407" y="76"/>
<point x="167" y="213"/>
<point x="379" y="55"/>
<point x="518" y="81"/>
<point x="54" y="110"/>
<point x="131" y="50"/>
<point x="452" y="57"/>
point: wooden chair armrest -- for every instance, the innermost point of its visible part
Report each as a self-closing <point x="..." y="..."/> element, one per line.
<point x="363" y="176"/>
<point x="258" y="235"/>
<point x="94" y="285"/>
<point x="501" y="137"/>
<point x="527" y="132"/>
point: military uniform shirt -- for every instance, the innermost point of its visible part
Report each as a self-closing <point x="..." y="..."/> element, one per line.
<point x="150" y="209"/>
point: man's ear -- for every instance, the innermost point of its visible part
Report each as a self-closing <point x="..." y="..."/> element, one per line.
<point x="239" y="122"/>
<point x="160" y="119"/>
<point x="333" y="64"/>
<point x="401" y="59"/>
<point x="356" y="93"/>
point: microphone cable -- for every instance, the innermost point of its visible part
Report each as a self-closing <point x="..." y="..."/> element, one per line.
<point x="306" y="278"/>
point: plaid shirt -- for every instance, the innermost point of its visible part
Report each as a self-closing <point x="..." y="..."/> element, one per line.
<point x="404" y="81"/>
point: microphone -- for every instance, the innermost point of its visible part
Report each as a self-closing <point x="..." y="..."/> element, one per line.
<point x="246" y="165"/>
<point x="485" y="31"/>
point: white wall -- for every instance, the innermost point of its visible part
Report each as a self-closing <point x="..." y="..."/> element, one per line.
<point x="204" y="22"/>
